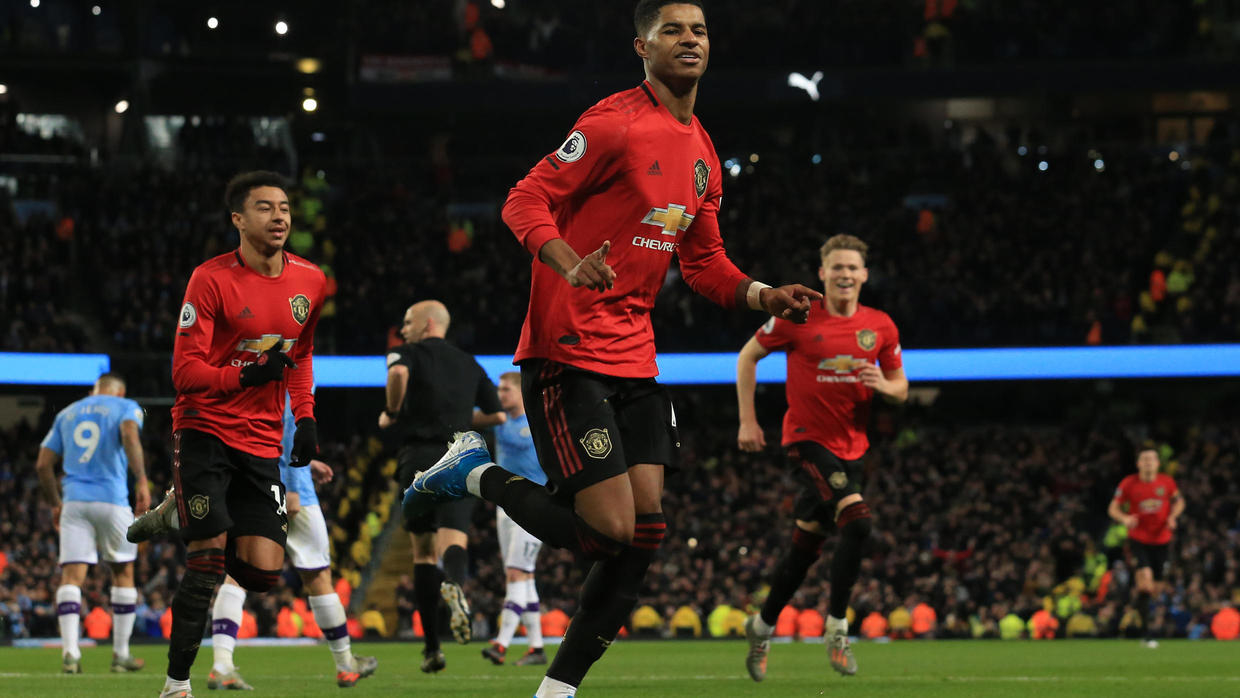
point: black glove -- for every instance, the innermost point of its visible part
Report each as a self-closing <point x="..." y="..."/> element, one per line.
<point x="305" y="442"/>
<point x="269" y="367"/>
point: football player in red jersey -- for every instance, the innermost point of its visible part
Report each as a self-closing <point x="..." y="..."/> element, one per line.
<point x="636" y="180"/>
<point x="1149" y="504"/>
<point x="837" y="361"/>
<point x="245" y="339"/>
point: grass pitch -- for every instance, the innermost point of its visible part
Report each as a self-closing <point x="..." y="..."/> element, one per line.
<point x="714" y="669"/>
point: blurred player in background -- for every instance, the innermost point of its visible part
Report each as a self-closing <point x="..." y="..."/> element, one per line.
<point x="309" y="550"/>
<point x="245" y="338"/>
<point x="1149" y="504"/>
<point x="636" y="182"/>
<point x="98" y="440"/>
<point x="837" y="361"/>
<point x="514" y="452"/>
<point x="432" y="388"/>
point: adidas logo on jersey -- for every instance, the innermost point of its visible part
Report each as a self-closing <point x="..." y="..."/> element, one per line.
<point x="245" y="313"/>
<point x="654" y="170"/>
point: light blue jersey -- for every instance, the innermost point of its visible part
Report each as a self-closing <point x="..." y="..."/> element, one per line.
<point x="514" y="449"/>
<point x="87" y="437"/>
<point x="295" y="479"/>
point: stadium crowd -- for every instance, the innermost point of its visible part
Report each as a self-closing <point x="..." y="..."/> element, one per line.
<point x="977" y="523"/>
<point x="1032" y="257"/>
<point x="578" y="37"/>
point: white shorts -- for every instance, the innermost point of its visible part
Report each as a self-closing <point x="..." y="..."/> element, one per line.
<point x="517" y="546"/>
<point x="91" y="529"/>
<point x="307" y="545"/>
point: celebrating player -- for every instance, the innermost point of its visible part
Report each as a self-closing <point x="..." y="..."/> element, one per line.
<point x="97" y="438"/>
<point x="636" y="181"/>
<point x="837" y="361"/>
<point x="1149" y="504"/>
<point x="246" y="337"/>
<point x="514" y="452"/>
<point x="432" y="388"/>
<point x="310" y="552"/>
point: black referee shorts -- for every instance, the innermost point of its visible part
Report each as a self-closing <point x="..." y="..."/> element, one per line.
<point x="825" y="479"/>
<point x="1152" y="556"/>
<point x="588" y="427"/>
<point x="220" y="489"/>
<point x="456" y="515"/>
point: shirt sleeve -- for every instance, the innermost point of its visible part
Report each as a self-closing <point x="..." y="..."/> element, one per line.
<point x="191" y="372"/>
<point x="703" y="261"/>
<point x="592" y="154"/>
<point x="890" y="355"/>
<point x="301" y="379"/>
<point x="1120" y="493"/>
<point x="134" y="413"/>
<point x="774" y="335"/>
<point x="487" y="396"/>
<point x="400" y="356"/>
<point x="52" y="441"/>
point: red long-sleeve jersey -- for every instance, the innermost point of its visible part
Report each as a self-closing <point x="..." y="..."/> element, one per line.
<point x="630" y="173"/>
<point x="231" y="315"/>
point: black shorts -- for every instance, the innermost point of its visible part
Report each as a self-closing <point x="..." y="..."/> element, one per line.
<point x="1151" y="556"/>
<point x="220" y="489"/>
<point x="588" y="427"/>
<point x="456" y="515"/>
<point x="825" y="479"/>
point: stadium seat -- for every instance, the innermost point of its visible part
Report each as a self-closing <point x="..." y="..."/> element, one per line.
<point x="1226" y="624"/>
<point x="786" y="624"/>
<point x="810" y="623"/>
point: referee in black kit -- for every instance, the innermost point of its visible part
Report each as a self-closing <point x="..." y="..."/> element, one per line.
<point x="432" y="388"/>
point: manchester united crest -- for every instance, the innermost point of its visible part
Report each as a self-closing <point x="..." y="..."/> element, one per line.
<point x="597" y="443"/>
<point x="701" y="174"/>
<point x="300" y="305"/>
<point x="199" y="505"/>
<point x="1160" y="491"/>
<point x="866" y="339"/>
<point x="837" y="480"/>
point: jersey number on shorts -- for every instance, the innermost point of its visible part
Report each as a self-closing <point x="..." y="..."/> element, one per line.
<point x="280" y="508"/>
<point x="86" y="436"/>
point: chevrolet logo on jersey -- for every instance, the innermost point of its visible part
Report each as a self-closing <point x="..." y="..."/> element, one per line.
<point x="1150" y="506"/>
<point x="264" y="343"/>
<point x="840" y="364"/>
<point x="671" y="219"/>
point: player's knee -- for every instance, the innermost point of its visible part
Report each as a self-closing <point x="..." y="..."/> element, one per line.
<point x="252" y="578"/>
<point x="807" y="542"/>
<point x="854" y="521"/>
<point x="649" y="532"/>
<point x="597" y="545"/>
<point x="615" y="529"/>
<point x="207" y="566"/>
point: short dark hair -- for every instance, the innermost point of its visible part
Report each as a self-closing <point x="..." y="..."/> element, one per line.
<point x="111" y="377"/>
<point x="647" y="12"/>
<point x="238" y="189"/>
